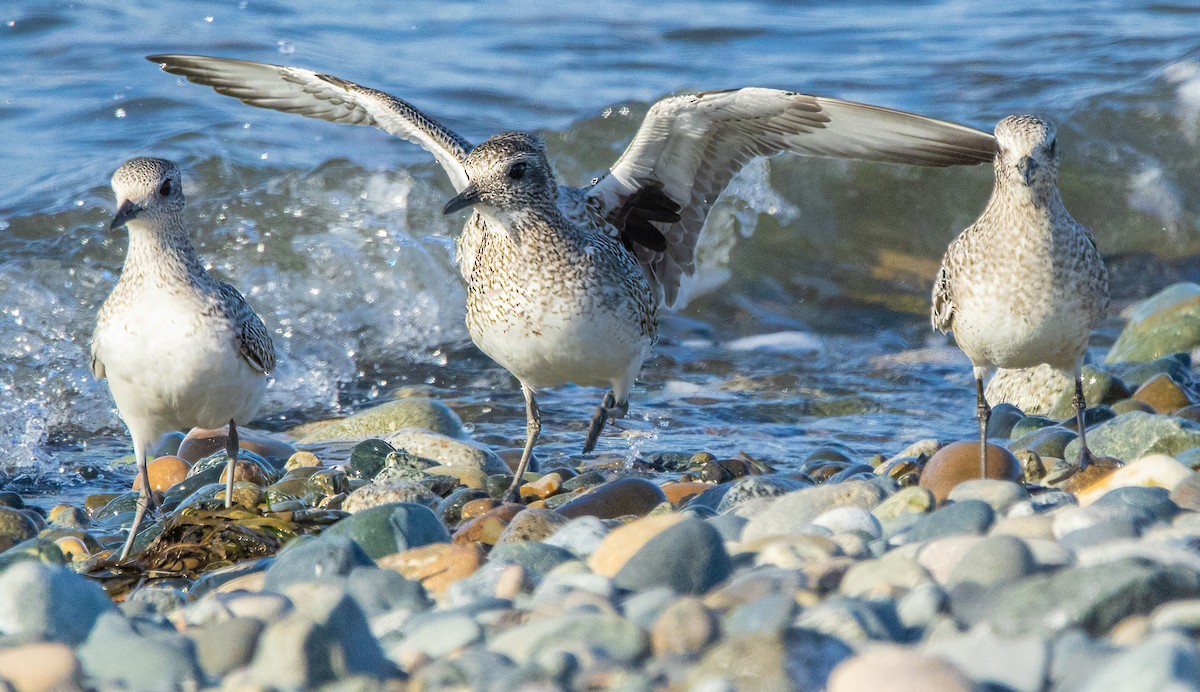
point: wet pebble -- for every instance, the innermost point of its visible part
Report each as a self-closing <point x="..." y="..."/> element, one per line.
<point x="959" y="462"/>
<point x="15" y="526"/>
<point x="624" y="496"/>
<point x="448" y="451"/>
<point x="532" y="525"/>
<point x="379" y="421"/>
<point x="376" y="494"/>
<point x="390" y="528"/>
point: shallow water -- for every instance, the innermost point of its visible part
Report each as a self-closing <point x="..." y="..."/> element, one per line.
<point x="335" y="235"/>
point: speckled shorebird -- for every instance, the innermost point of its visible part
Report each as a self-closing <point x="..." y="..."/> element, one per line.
<point x="1025" y="284"/>
<point x="178" y="348"/>
<point x="563" y="283"/>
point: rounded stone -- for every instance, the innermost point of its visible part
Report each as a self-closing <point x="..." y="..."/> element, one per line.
<point x="243" y="472"/>
<point x="1168" y="322"/>
<point x="381" y="420"/>
<point x="448" y="451"/>
<point x="164" y="473"/>
<point x="1163" y="394"/>
<point x="376" y="494"/>
<point x="849" y="519"/>
<point x="1186" y="493"/>
<point x="69" y="516"/>
<point x="203" y="442"/>
<point x="532" y="525"/>
<point x="15" y="527"/>
<point x="897" y="669"/>
<point x="301" y="459"/>
<point x="40" y="666"/>
<point x="391" y="528"/>
<point x="679" y="492"/>
<point x="688" y="557"/>
<point x="1153" y="471"/>
<point x="959" y="462"/>
<point x="1001" y="495"/>
<point x="437" y="565"/>
<point x="684" y="628"/>
<point x="970" y="517"/>
<point x="995" y="560"/>
<point x="622" y="497"/>
<point x="906" y="501"/>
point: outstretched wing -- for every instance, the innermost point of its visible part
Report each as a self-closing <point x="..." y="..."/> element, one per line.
<point x="691" y="146"/>
<point x="308" y="93"/>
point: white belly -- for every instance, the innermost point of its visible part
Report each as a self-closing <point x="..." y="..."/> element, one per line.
<point x="1006" y="332"/>
<point x="171" y="370"/>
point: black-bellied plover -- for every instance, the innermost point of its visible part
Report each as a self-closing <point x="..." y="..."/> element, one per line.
<point x="1025" y="284"/>
<point x="178" y="348"/>
<point x="564" y="283"/>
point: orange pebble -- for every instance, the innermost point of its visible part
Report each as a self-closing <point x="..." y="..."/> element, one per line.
<point x="164" y="473"/>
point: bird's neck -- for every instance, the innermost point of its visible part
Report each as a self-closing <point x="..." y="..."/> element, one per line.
<point x="161" y="252"/>
<point x="1042" y="199"/>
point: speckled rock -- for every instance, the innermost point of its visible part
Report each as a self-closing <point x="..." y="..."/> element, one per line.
<point x="448" y="451"/>
<point x="1136" y="434"/>
<point x="376" y="494"/>
<point x="416" y="412"/>
<point x="1036" y="391"/>
<point x="793" y="512"/>
<point x="751" y="487"/>
<point x="15" y="527"/>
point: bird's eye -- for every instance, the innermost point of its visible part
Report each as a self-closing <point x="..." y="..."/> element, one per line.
<point x="517" y="170"/>
<point x="165" y="188"/>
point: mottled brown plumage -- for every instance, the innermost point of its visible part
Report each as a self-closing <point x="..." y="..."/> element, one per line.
<point x="1025" y="284"/>
<point x="179" y="348"/>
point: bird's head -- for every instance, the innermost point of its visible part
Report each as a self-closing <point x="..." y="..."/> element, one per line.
<point x="1026" y="151"/>
<point x="508" y="172"/>
<point x="146" y="188"/>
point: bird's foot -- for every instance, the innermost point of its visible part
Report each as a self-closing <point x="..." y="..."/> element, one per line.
<point x="608" y="410"/>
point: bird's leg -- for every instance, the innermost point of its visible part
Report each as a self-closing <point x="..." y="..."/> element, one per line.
<point x="983" y="412"/>
<point x="533" y="428"/>
<point x="144" y="498"/>
<point x="603" y="412"/>
<point x="1085" y="455"/>
<point x="231" y="452"/>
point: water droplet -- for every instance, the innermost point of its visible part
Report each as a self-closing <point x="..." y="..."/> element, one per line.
<point x="286" y="47"/>
<point x="120" y="112"/>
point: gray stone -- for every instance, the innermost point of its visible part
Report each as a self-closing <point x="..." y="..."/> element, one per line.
<point x="995" y="560"/>
<point x="750" y="487"/>
<point x="644" y="607"/>
<point x="615" y="637"/>
<point x="581" y="536"/>
<point x="448" y="451"/>
<point x="1021" y="664"/>
<point x="1075" y="656"/>
<point x="1135" y="434"/>
<point x="1048" y="442"/>
<point x="315" y="559"/>
<point x="1187" y="493"/>
<point x="1000" y="495"/>
<point x="225" y="645"/>
<point x="1165" y="661"/>
<point x="441" y="636"/>
<point x="537" y="558"/>
<point x="793" y="512"/>
<point x="1156" y="501"/>
<point x="426" y="414"/>
<point x="379" y="591"/>
<point x="1168" y="322"/>
<point x="1092" y="536"/>
<point x="767" y="614"/>
<point x="849" y="519"/>
<point x="1094" y="598"/>
<point x="15" y="527"/>
<point x="137" y="654"/>
<point x="729" y="526"/>
<point x="919" y="608"/>
<point x="391" y="528"/>
<point x="971" y="517"/>
<point x="325" y="638"/>
<point x="885" y="578"/>
<point x="45" y="602"/>
<point x="689" y="557"/>
<point x="852" y="620"/>
<point x="376" y="494"/>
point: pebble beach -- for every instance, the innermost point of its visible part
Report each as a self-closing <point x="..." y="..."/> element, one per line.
<point x="397" y="568"/>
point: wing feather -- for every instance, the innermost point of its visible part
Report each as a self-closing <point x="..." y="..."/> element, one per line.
<point x="314" y="95"/>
